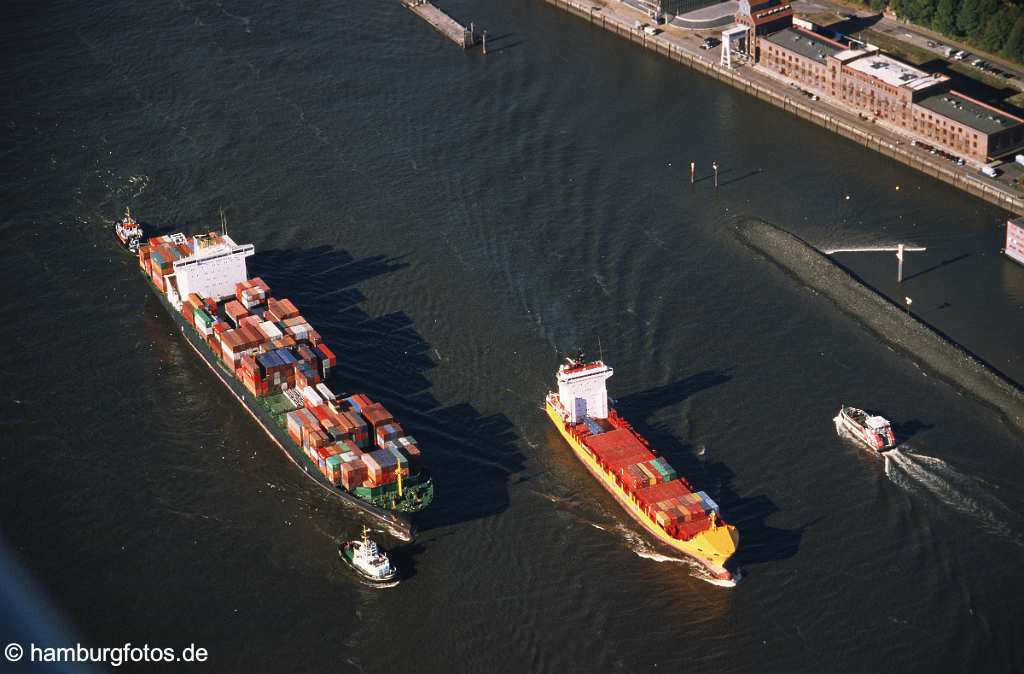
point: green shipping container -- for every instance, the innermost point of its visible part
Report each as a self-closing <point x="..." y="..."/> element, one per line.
<point x="201" y="315"/>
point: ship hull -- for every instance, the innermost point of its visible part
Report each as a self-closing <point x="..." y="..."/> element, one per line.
<point x="693" y="548"/>
<point x="397" y="524"/>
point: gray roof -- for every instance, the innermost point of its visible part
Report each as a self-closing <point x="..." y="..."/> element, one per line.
<point x="954" y="106"/>
<point x="804" y="44"/>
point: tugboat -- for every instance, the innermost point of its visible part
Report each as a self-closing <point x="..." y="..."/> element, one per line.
<point x="366" y="558"/>
<point x="128" y="232"/>
<point x="873" y="430"/>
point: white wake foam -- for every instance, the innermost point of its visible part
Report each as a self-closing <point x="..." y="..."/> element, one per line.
<point x="966" y="495"/>
<point x="641" y="548"/>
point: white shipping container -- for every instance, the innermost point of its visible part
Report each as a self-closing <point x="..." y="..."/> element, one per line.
<point x="326" y="392"/>
<point x="270" y="330"/>
<point x="311" y="397"/>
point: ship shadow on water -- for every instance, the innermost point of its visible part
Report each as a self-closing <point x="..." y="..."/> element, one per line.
<point x="470" y="456"/>
<point x="759" y="543"/>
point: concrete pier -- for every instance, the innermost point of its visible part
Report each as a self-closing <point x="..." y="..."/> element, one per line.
<point x="889" y="321"/>
<point x="442" y="23"/>
<point x="769" y="91"/>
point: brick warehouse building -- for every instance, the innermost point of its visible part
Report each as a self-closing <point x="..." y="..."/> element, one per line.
<point x="873" y="83"/>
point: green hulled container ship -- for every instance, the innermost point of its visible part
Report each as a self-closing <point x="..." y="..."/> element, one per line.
<point x="278" y="367"/>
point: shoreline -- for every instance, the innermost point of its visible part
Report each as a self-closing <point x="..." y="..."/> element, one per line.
<point x="943" y="357"/>
<point x="904" y="153"/>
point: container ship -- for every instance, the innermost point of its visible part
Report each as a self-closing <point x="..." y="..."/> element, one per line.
<point x="644" y="484"/>
<point x="277" y="366"/>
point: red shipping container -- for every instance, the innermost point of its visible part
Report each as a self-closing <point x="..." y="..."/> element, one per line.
<point x="377" y="415"/>
<point x="362" y="400"/>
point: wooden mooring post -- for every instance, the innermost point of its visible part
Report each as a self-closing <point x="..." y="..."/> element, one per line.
<point x="442" y="23"/>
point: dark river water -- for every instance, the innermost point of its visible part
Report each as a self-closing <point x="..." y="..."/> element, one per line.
<point x="453" y="224"/>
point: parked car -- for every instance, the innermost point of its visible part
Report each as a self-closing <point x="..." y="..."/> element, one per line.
<point x="651" y="30"/>
<point x="991" y="171"/>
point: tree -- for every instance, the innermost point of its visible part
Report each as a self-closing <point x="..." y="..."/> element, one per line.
<point x="1013" y="48"/>
<point x="918" y="11"/>
<point x="994" y="34"/>
<point x="945" y="17"/>
<point x="879" y="5"/>
<point x="967" y="18"/>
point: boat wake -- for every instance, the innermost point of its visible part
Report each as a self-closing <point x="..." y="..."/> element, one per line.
<point x="641" y="548"/>
<point x="969" y="496"/>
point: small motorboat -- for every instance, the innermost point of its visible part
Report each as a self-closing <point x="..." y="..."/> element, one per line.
<point x="873" y="430"/>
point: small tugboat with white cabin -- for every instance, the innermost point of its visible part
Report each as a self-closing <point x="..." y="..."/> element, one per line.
<point x="367" y="559"/>
<point x="128" y="231"/>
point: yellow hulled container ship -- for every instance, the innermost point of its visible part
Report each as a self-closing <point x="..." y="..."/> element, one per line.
<point x="644" y="484"/>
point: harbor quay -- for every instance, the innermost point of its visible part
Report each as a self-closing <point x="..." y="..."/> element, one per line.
<point x="854" y="91"/>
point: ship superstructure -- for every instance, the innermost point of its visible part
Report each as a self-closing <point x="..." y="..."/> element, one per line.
<point x="644" y="484"/>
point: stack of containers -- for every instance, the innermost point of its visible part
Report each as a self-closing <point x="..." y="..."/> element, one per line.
<point x="410" y="447"/>
<point x="297" y="327"/>
<point x="647" y="473"/>
<point x="618" y="448"/>
<point x="249" y="373"/>
<point x="353" y="470"/>
<point x="333" y="469"/>
<point x="277" y="369"/>
<point x="668" y="473"/>
<point x="204" y="322"/>
<point x="235" y="312"/>
<point x="387" y="433"/>
<point x="313" y="438"/>
<point x="241" y="342"/>
<point x="189" y="307"/>
<point x="382" y="466"/>
<point x="326" y="393"/>
<point x="353" y="428"/>
<point x="306" y="374"/>
<point x="328" y="361"/>
<point x="271" y="331"/>
<point x="251" y="321"/>
<point x="296" y="421"/>
<point x="681" y="512"/>
<point x="145" y="251"/>
<point x="252" y="293"/>
<point x="708" y="504"/>
<point x="219" y="328"/>
<point x="311" y="397"/>
<point x="348" y="447"/>
<point x="279" y="310"/>
<point x="376" y="414"/>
